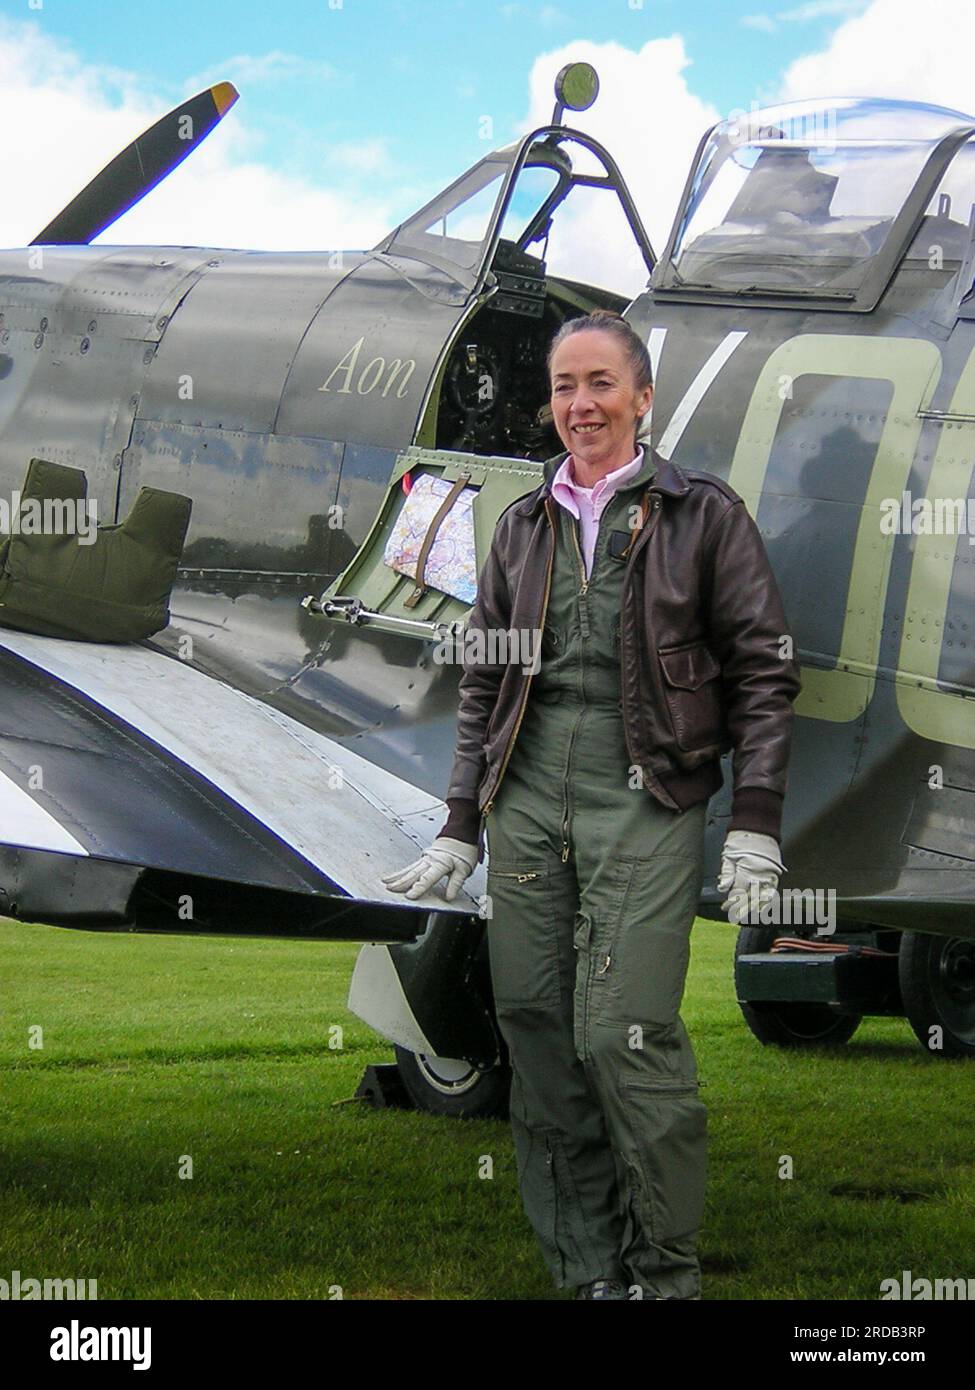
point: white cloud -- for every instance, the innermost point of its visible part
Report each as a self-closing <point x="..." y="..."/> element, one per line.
<point x="819" y="9"/>
<point x="246" y="69"/>
<point x="212" y="201"/>
<point x="894" y="49"/>
<point x="72" y="118"/>
<point x="361" y="156"/>
<point x="650" y="122"/>
<point x="802" y="14"/>
<point x="544" y="14"/>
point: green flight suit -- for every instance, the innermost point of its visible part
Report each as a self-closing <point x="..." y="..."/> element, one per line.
<point x="593" y="888"/>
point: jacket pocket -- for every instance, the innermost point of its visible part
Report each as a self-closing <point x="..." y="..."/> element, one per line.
<point x="693" y="688"/>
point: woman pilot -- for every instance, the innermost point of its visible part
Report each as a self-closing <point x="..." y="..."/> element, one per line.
<point x="663" y="645"/>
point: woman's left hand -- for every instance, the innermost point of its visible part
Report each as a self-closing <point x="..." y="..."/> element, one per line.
<point x="750" y="867"/>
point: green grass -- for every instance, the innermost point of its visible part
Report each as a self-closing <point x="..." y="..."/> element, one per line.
<point x="159" y="1047"/>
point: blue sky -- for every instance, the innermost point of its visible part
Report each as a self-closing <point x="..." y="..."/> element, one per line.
<point x="414" y="73"/>
<point x="353" y="114"/>
<point x="400" y="65"/>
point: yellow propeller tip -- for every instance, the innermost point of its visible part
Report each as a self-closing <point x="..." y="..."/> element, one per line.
<point x="224" y="95"/>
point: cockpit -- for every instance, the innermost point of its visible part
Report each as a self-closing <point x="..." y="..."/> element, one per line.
<point x="816" y="200"/>
<point x="532" y="234"/>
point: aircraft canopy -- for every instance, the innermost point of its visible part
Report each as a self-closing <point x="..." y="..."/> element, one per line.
<point x="809" y="198"/>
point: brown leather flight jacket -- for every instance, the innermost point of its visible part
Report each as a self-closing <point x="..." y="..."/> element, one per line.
<point x="704" y="652"/>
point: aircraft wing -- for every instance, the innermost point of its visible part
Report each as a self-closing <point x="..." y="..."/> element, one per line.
<point x="129" y="756"/>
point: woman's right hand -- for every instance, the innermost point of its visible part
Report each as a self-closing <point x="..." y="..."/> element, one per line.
<point x="445" y="856"/>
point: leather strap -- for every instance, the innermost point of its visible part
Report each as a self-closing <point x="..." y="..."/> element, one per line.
<point x="420" y="588"/>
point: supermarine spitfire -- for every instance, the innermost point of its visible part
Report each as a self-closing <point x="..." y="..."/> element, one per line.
<point x="262" y="761"/>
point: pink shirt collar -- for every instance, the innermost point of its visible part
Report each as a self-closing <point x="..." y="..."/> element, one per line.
<point x="587" y="504"/>
<point x="569" y="493"/>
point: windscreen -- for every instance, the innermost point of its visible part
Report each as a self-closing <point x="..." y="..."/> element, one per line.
<point x="456" y="222"/>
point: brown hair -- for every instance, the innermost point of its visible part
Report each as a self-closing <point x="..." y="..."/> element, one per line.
<point x="631" y="342"/>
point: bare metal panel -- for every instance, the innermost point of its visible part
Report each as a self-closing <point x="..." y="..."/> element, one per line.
<point x="943" y="821"/>
<point x="79" y="326"/>
<point x="224" y="359"/>
<point x="259" y="502"/>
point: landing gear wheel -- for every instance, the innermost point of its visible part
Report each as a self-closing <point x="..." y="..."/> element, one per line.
<point x="452" y="1086"/>
<point x="785" y="1024"/>
<point x="937" y="979"/>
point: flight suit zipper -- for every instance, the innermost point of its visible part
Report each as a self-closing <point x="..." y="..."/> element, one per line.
<point x="556" y="1195"/>
<point x="583" y="578"/>
<point x="641" y="541"/>
<point x="584" y="624"/>
<point x="528" y="680"/>
<point x="583" y="617"/>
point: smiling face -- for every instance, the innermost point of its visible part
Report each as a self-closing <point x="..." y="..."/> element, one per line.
<point x="595" y="402"/>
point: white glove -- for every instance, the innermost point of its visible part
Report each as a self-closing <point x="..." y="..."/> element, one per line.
<point x="445" y="856"/>
<point x="750" y="867"/>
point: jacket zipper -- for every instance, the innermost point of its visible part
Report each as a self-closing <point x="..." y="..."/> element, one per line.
<point x="528" y="678"/>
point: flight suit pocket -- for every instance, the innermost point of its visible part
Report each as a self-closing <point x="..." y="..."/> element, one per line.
<point x="644" y="960"/>
<point x="671" y="1158"/>
<point x="581" y="940"/>
<point x="594" y="959"/>
<point x="523" y="935"/>
<point x="693" y="689"/>
<point x="649" y="969"/>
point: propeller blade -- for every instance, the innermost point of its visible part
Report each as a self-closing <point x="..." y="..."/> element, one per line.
<point x="143" y="164"/>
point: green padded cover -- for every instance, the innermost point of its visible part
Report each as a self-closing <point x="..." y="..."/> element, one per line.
<point x="114" y="589"/>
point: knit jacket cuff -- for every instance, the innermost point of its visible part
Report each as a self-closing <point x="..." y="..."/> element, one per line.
<point x="757" y="809"/>
<point x="464" y="821"/>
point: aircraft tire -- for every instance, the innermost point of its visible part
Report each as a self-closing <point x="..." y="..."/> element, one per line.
<point x="791" y="1024"/>
<point x="445" y="1086"/>
<point x="937" y="979"/>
